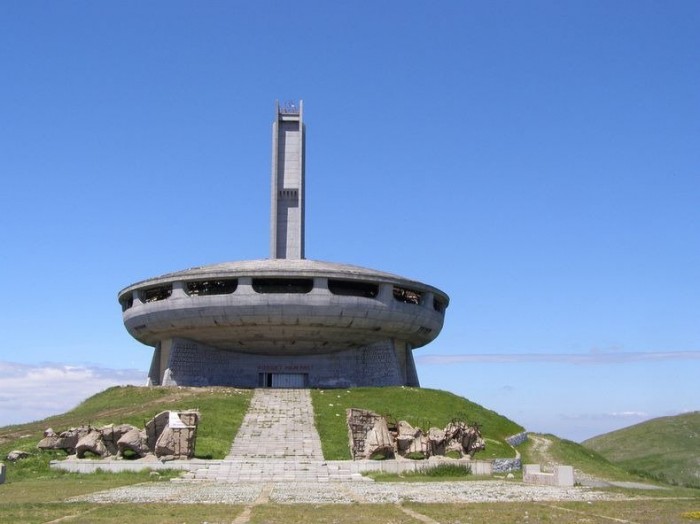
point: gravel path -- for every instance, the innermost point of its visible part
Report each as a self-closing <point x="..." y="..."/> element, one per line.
<point x="342" y="493"/>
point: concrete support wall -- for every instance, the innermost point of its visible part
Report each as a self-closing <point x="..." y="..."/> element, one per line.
<point x="193" y="364"/>
<point x="159" y="362"/>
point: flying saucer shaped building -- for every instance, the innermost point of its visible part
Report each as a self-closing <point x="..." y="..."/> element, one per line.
<point x="284" y="321"/>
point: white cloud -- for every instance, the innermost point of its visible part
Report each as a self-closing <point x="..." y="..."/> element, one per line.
<point x="592" y="358"/>
<point x="615" y="415"/>
<point x="628" y="414"/>
<point x="32" y="392"/>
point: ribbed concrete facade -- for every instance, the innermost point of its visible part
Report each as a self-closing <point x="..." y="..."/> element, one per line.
<point x="286" y="321"/>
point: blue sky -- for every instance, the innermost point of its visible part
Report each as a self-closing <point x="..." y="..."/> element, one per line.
<point x="538" y="161"/>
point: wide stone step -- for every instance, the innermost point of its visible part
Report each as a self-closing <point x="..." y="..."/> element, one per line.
<point x="274" y="470"/>
<point x="277" y="441"/>
<point x="278" y="424"/>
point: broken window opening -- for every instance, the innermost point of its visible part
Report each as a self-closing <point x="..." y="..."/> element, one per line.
<point x="127" y="301"/>
<point x="283" y="285"/>
<point x="352" y="288"/>
<point x="407" y="296"/>
<point x="438" y="305"/>
<point x="155" y="294"/>
<point x="211" y="287"/>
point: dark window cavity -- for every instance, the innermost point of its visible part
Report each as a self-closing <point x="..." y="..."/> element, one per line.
<point x="127" y="301"/>
<point x="155" y="294"/>
<point x="407" y="296"/>
<point x="283" y="285"/>
<point x="211" y="287"/>
<point x="438" y="305"/>
<point x="352" y="288"/>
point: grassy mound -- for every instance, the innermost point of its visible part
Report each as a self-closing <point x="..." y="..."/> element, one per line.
<point x="418" y="406"/>
<point x="222" y="412"/>
<point x="664" y="449"/>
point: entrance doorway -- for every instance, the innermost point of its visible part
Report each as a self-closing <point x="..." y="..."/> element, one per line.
<point x="283" y="380"/>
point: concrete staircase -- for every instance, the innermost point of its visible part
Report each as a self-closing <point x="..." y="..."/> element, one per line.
<point x="277" y="441"/>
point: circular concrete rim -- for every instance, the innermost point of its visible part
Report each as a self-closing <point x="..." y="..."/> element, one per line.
<point x="284" y="268"/>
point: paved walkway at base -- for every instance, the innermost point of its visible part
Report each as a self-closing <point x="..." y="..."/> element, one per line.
<point x="277" y="441"/>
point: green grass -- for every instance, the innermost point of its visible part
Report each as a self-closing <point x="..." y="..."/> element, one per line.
<point x="448" y="472"/>
<point x="640" y="511"/>
<point x="567" y="452"/>
<point x="664" y="449"/>
<point x="418" y="406"/>
<point x="222" y="411"/>
<point x="35" y="494"/>
<point x="118" y="513"/>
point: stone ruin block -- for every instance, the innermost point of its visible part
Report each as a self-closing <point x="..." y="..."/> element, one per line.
<point x="177" y="439"/>
<point x="369" y="435"/>
<point x="372" y="437"/>
<point x="66" y="440"/>
<point x="169" y="435"/>
<point x="135" y="441"/>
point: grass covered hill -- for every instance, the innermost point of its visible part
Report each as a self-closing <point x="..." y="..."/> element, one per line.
<point x="666" y="448"/>
<point x="547" y="449"/>
<point x="418" y="406"/>
<point x="222" y="411"/>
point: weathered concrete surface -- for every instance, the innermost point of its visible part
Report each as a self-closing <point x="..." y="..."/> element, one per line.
<point x="372" y="437"/>
<point x="267" y="470"/>
<point x="278" y="424"/>
<point x="66" y="440"/>
<point x="135" y="441"/>
<point x="192" y="364"/>
<point x="562" y="476"/>
<point x="287" y="210"/>
<point x="169" y="435"/>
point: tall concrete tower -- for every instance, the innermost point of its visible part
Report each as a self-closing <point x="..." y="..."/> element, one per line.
<point x="285" y="321"/>
<point x="287" y="207"/>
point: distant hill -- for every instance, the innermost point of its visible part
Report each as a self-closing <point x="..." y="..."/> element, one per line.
<point x="666" y="448"/>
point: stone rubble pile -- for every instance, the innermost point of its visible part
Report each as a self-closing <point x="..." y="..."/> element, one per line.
<point x="372" y="437"/>
<point x="17" y="454"/>
<point x="169" y="435"/>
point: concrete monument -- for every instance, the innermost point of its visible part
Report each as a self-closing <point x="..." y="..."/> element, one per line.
<point x="285" y="321"/>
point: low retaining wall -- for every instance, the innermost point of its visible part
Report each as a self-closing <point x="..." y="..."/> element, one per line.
<point x="478" y="467"/>
<point x="506" y="465"/>
<point x="517" y="439"/>
<point x="117" y="466"/>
